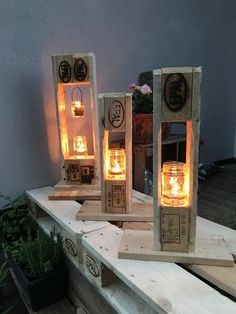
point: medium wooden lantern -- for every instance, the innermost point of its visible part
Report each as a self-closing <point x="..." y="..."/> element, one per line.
<point x="78" y="124"/>
<point x="116" y="202"/>
<point x="116" y="162"/>
<point x="174" y="237"/>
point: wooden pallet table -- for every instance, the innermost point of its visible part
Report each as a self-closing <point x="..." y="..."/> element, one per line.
<point x="107" y="293"/>
<point x="137" y="286"/>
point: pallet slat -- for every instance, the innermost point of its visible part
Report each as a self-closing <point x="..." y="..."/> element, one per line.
<point x="157" y="283"/>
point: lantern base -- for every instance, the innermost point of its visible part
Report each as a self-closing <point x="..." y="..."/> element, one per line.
<point x="92" y="210"/>
<point x="75" y="192"/>
<point x="209" y="250"/>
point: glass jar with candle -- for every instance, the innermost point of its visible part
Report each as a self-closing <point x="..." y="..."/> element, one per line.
<point x="173" y="183"/>
<point x="117" y="162"/>
<point x="77" y="106"/>
<point x="80" y="145"/>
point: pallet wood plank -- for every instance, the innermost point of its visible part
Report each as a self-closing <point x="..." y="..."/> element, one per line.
<point x="164" y="286"/>
<point x="63" y="212"/>
<point x="120" y="298"/>
<point x="90" y="211"/>
<point x="138" y="244"/>
<point x="222" y="277"/>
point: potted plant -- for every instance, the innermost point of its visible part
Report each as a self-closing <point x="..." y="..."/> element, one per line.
<point x="7" y="287"/>
<point x="15" y="219"/>
<point x="142" y="101"/>
<point x="38" y="264"/>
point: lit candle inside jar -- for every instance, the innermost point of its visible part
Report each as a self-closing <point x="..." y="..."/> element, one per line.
<point x="173" y="183"/>
<point x="80" y="144"/>
<point x="117" y="161"/>
<point x="77" y="108"/>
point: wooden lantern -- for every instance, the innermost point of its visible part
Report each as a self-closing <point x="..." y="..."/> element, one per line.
<point x="78" y="124"/>
<point x="174" y="237"/>
<point x="116" y="164"/>
<point x="176" y="99"/>
<point x="116" y="202"/>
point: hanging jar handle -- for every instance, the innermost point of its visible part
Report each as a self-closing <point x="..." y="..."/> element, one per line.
<point x="72" y="93"/>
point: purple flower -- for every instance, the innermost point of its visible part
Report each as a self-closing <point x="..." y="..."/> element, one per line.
<point x="145" y="90"/>
<point x="132" y="85"/>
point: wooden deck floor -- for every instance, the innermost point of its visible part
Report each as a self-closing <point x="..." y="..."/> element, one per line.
<point x="217" y="197"/>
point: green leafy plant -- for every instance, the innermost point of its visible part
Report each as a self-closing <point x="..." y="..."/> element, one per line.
<point x="4" y="275"/>
<point x="15" y="220"/>
<point x="38" y="256"/>
<point x="5" y="311"/>
<point x="5" y="283"/>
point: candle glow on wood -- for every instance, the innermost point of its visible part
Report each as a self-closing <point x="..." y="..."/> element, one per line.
<point x="77" y="108"/>
<point x="115" y="163"/>
<point x="174" y="192"/>
<point x="80" y="144"/>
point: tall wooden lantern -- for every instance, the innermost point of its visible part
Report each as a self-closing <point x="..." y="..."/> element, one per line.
<point x="78" y="124"/>
<point x="176" y="99"/>
<point x="116" y="165"/>
<point x="175" y="237"/>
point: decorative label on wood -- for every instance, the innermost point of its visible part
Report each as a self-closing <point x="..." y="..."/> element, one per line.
<point x="80" y="70"/>
<point x="118" y="196"/>
<point x="71" y="247"/>
<point x="115" y="114"/>
<point x="170" y="228"/>
<point x="115" y="196"/>
<point x="73" y="173"/>
<point x="72" y="69"/>
<point x="174" y="228"/>
<point x="76" y="173"/>
<point x="64" y="72"/>
<point x="91" y="266"/>
<point x="175" y="91"/>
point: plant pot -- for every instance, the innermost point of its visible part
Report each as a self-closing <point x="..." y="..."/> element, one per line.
<point x="142" y="128"/>
<point x="42" y="292"/>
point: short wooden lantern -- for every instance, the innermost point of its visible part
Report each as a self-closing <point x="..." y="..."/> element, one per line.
<point x="78" y="124"/>
<point x="116" y="161"/>
<point x="174" y="237"/>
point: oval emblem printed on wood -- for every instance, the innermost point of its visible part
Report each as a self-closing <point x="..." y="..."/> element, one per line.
<point x="116" y="114"/>
<point x="80" y="70"/>
<point x="64" y="72"/>
<point x="71" y="247"/>
<point x="91" y="266"/>
<point x="175" y="91"/>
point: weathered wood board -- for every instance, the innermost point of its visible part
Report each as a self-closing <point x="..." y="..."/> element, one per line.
<point x="138" y="244"/>
<point x="63" y="213"/>
<point x="142" y="210"/>
<point x="115" y="298"/>
<point x="78" y="194"/>
<point x="93" y="211"/>
<point x="158" y="283"/>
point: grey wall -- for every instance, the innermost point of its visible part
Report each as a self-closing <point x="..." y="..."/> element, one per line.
<point x="127" y="37"/>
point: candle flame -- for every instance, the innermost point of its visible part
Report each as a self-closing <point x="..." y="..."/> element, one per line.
<point x="116" y="169"/>
<point x="80" y="144"/>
